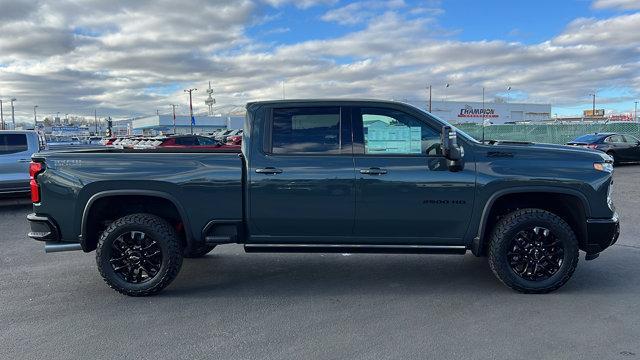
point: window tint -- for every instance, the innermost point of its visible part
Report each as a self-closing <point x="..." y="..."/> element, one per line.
<point x="615" y="139"/>
<point x="203" y="140"/>
<point x="186" y="141"/>
<point x="13" y="143"/>
<point x="306" y="131"/>
<point x="394" y="132"/>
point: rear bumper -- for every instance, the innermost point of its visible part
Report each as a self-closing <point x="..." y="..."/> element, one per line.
<point x="42" y="228"/>
<point x="601" y="233"/>
<point x="45" y="229"/>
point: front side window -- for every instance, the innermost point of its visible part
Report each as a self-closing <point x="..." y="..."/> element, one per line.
<point x="393" y="132"/>
<point x="306" y="130"/>
<point x="186" y="141"/>
<point x="13" y="143"/>
<point x="203" y="140"/>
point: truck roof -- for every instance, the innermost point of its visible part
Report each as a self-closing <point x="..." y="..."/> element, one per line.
<point x="329" y="100"/>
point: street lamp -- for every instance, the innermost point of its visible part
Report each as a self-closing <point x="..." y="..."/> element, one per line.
<point x="1" y="116"/>
<point x="635" y="112"/>
<point x="13" y="113"/>
<point x="35" y="117"/>
<point x="193" y="120"/>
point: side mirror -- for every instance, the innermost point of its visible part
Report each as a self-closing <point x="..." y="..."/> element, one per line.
<point x="451" y="150"/>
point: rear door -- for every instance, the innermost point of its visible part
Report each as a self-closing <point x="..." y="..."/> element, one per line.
<point x="633" y="146"/>
<point x="405" y="193"/>
<point x="302" y="180"/>
<point x="14" y="162"/>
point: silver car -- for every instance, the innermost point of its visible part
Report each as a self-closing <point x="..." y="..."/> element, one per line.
<point x="16" y="148"/>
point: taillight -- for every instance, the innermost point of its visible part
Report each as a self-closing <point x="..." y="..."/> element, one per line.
<point x="34" y="169"/>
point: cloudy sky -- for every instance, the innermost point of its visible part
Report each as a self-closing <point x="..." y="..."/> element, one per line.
<point x="128" y="58"/>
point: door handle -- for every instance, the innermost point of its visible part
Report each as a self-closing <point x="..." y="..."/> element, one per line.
<point x="269" y="171"/>
<point x="373" y="171"/>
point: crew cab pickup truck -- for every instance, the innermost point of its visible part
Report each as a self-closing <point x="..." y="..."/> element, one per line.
<point x="348" y="176"/>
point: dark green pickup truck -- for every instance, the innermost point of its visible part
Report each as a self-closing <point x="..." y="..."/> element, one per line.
<point x="330" y="176"/>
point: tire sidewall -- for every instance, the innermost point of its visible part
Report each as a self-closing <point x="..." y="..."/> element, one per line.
<point x="561" y="233"/>
<point x="104" y="255"/>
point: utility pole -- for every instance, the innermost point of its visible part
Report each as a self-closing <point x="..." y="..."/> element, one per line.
<point x="35" y="117"/>
<point x="174" y="118"/>
<point x="95" y="120"/>
<point x="13" y="113"/>
<point x="193" y="120"/>
<point x="593" y="114"/>
<point x="2" y="115"/>
<point x="429" y="98"/>
<point x="483" y="111"/>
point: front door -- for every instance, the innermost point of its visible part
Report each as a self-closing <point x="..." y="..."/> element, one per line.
<point x="302" y="183"/>
<point x="404" y="190"/>
<point x="14" y="162"/>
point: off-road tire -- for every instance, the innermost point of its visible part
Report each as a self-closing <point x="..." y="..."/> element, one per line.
<point x="198" y="252"/>
<point x="504" y="232"/>
<point x="162" y="232"/>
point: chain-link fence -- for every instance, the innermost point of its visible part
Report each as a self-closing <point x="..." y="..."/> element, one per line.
<point x="556" y="133"/>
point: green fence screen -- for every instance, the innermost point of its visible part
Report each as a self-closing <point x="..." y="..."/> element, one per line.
<point x="547" y="133"/>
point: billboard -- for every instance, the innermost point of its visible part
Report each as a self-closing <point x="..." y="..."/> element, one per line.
<point x="590" y="113"/>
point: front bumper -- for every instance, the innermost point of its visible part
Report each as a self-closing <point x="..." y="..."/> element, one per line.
<point x="601" y="233"/>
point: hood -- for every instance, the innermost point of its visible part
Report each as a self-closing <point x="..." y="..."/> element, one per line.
<point x="542" y="150"/>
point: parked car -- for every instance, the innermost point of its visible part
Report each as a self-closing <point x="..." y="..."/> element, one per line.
<point x="330" y="176"/>
<point x="621" y="147"/>
<point x="189" y="141"/>
<point x="16" y="148"/>
<point x="234" y="140"/>
<point x="220" y="136"/>
<point x="232" y="133"/>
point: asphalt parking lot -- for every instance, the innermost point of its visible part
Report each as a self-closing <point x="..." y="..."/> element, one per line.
<point x="232" y="305"/>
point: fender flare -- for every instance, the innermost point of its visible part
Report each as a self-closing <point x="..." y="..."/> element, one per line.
<point x="478" y="240"/>
<point x="131" y="192"/>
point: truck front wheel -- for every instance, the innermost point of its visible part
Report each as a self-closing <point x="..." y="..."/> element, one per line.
<point x="139" y="254"/>
<point x="533" y="251"/>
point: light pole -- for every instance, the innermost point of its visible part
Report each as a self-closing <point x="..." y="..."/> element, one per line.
<point x="193" y="120"/>
<point x="35" y="117"/>
<point x="174" y="118"/>
<point x="593" y="110"/>
<point x="446" y="86"/>
<point x="283" y="97"/>
<point x="508" y="93"/>
<point x="1" y="115"/>
<point x="429" y="98"/>
<point x="635" y="112"/>
<point x="13" y="113"/>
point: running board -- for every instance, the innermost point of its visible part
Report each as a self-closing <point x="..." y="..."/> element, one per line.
<point x="348" y="249"/>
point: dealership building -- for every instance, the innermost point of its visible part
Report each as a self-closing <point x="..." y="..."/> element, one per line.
<point x="164" y="124"/>
<point x="457" y="112"/>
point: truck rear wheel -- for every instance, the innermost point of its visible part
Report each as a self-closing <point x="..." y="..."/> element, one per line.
<point x="139" y="254"/>
<point x="198" y="252"/>
<point x="533" y="251"/>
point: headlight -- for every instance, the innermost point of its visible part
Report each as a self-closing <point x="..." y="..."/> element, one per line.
<point x="605" y="166"/>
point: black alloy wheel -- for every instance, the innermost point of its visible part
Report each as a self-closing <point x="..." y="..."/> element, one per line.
<point x="135" y="257"/>
<point x="535" y="254"/>
<point x="139" y="254"/>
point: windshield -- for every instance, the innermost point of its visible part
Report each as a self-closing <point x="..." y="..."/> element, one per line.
<point x="591" y="138"/>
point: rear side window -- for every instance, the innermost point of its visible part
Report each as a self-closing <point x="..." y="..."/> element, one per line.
<point x="616" y="139"/>
<point x="13" y="143"/>
<point x="202" y="140"/>
<point x="306" y="130"/>
<point x="186" y="141"/>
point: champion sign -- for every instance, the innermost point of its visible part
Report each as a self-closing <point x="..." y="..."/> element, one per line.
<point x="470" y="112"/>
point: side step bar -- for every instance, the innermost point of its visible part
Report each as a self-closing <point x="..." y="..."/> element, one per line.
<point x="348" y="249"/>
<point x="54" y="246"/>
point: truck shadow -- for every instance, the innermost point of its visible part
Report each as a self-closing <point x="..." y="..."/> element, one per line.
<point x="272" y="275"/>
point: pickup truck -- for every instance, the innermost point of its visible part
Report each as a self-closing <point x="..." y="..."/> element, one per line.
<point x="347" y="176"/>
<point x="16" y="148"/>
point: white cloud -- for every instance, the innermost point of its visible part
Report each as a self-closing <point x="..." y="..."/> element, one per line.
<point x="617" y="4"/>
<point x="135" y="57"/>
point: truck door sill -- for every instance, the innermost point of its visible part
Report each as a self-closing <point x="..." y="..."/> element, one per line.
<point x="344" y="248"/>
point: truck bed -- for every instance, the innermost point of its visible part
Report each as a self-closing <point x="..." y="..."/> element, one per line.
<point x="208" y="184"/>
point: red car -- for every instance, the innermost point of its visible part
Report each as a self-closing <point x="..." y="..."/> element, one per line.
<point x="194" y="142"/>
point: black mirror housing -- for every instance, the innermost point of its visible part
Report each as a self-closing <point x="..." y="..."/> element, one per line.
<point x="450" y="148"/>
